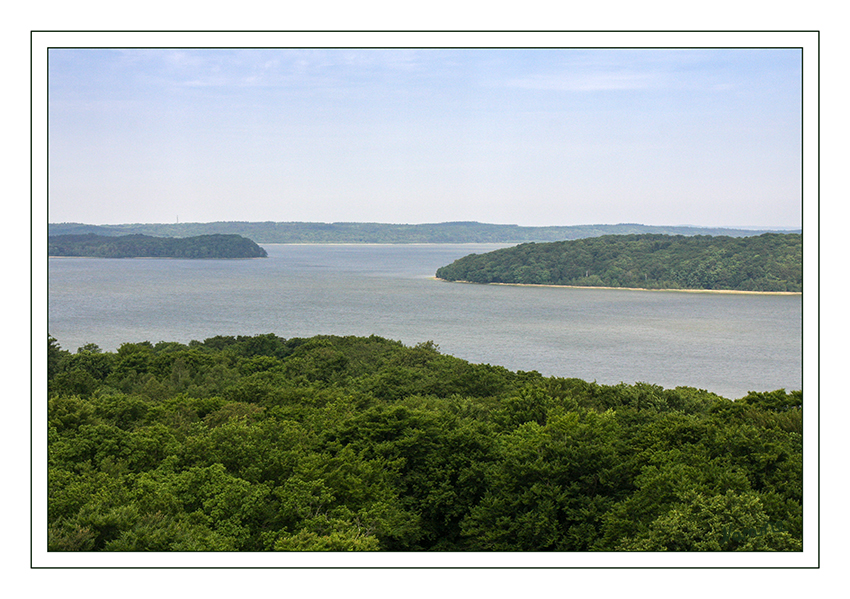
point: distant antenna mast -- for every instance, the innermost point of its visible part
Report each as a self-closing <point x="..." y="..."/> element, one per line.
<point x="178" y="219"/>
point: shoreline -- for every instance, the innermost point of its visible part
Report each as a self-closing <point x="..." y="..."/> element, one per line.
<point x="733" y="291"/>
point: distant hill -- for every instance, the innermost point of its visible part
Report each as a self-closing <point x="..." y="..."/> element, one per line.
<point x="768" y="262"/>
<point x="146" y="246"/>
<point x="452" y="232"/>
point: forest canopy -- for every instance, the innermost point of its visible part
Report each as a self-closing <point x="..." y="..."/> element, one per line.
<point x="767" y="262"/>
<point x="146" y="246"/>
<point x="259" y="443"/>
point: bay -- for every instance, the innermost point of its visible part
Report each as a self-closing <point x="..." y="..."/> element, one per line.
<point x="726" y="343"/>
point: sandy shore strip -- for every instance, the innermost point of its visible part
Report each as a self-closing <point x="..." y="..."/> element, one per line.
<point x="630" y="288"/>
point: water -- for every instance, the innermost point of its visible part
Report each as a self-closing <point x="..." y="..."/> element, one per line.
<point x="726" y="343"/>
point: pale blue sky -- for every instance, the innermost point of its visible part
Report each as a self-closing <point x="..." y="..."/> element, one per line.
<point x="530" y="137"/>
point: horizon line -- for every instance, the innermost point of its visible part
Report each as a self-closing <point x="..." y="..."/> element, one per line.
<point x="461" y="222"/>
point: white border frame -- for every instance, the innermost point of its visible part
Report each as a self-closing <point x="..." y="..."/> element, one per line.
<point x="809" y="41"/>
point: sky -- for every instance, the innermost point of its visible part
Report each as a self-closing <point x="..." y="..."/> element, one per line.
<point x="534" y="137"/>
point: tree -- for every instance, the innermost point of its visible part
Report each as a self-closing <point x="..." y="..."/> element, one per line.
<point x="729" y="522"/>
<point x="55" y="354"/>
<point x="769" y="262"/>
<point x="343" y="443"/>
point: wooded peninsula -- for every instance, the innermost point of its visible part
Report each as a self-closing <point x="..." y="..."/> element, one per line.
<point x="259" y="443"/>
<point x="146" y="246"/>
<point x="767" y="262"/>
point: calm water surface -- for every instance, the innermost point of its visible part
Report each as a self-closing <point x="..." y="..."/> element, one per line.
<point x="726" y="343"/>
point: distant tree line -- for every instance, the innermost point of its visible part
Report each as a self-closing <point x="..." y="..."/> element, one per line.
<point x="768" y="262"/>
<point x="145" y="246"/>
<point x="258" y="443"/>
<point x="451" y="232"/>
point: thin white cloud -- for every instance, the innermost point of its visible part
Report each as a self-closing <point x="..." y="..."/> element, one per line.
<point x="587" y="82"/>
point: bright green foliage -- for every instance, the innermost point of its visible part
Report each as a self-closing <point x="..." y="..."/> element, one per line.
<point x="768" y="262"/>
<point x="346" y="538"/>
<point x="362" y="444"/>
<point x="728" y="522"/>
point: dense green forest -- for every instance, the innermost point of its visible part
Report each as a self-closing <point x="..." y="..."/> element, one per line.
<point x="342" y="443"/>
<point x="767" y="262"/>
<point x="454" y="232"/>
<point x="145" y="246"/>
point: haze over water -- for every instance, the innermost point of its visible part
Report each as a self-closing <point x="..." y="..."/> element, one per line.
<point x="726" y="343"/>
